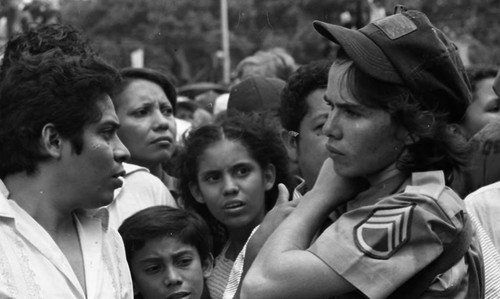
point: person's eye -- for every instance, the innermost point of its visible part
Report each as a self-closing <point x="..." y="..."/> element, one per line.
<point x="243" y="171"/>
<point x="184" y="261"/>
<point x="211" y="177"/>
<point x="495" y="108"/>
<point x="166" y="110"/>
<point x="140" y="112"/>
<point x="319" y="127"/>
<point x="108" y="133"/>
<point x="351" y="113"/>
<point x="152" y="269"/>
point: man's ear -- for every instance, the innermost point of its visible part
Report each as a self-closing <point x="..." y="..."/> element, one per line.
<point x="208" y="265"/>
<point x="458" y="130"/>
<point x="269" y="176"/>
<point x="290" y="145"/>
<point x="196" y="193"/>
<point x="51" y="142"/>
<point x="405" y="137"/>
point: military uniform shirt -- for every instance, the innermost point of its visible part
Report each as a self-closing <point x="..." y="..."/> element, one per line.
<point x="386" y="236"/>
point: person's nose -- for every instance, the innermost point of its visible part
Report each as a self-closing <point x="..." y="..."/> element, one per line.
<point x="172" y="277"/>
<point x="161" y="121"/>
<point x="230" y="186"/>
<point x="332" y="128"/>
<point x="121" y="152"/>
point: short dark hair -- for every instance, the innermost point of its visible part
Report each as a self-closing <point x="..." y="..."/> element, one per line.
<point x="301" y="83"/>
<point x="164" y="221"/>
<point x="435" y="146"/>
<point x="256" y="133"/>
<point x="130" y="74"/>
<point x="42" y="39"/>
<point x="48" y="88"/>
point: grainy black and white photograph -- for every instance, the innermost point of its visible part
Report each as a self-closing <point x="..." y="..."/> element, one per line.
<point x="253" y="149"/>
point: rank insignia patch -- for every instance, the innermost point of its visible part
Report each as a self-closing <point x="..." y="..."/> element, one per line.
<point x="396" y="26"/>
<point x="384" y="231"/>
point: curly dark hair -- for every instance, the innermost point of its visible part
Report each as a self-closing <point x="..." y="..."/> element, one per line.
<point x="49" y="88"/>
<point x="42" y="39"/>
<point x="255" y="133"/>
<point x="435" y="146"/>
<point x="300" y="84"/>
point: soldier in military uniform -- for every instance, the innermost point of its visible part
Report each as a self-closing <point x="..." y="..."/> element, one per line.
<point x="394" y="90"/>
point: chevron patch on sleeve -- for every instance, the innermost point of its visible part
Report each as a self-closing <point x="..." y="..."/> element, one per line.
<point x="384" y="231"/>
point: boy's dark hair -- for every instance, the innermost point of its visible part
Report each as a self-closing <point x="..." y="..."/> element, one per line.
<point x="164" y="221"/>
<point x="256" y="133"/>
<point x="480" y="72"/>
<point x="130" y="74"/>
<point x="435" y="146"/>
<point x="42" y="39"/>
<point x="48" y="88"/>
<point x="300" y="84"/>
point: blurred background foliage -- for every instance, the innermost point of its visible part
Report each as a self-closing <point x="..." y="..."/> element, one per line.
<point x="183" y="37"/>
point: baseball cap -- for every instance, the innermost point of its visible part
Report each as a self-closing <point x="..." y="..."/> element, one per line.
<point x="407" y="49"/>
<point x="256" y="94"/>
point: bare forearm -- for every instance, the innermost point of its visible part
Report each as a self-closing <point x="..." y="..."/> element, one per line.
<point x="284" y="263"/>
<point x="284" y="268"/>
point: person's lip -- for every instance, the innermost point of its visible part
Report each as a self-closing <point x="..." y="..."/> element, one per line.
<point x="233" y="204"/>
<point x="118" y="178"/>
<point x="119" y="173"/>
<point x="333" y="150"/>
<point x="163" y="139"/>
<point x="178" y="295"/>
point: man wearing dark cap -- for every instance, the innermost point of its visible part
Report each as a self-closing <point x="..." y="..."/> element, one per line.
<point x="394" y="89"/>
<point x="256" y="94"/>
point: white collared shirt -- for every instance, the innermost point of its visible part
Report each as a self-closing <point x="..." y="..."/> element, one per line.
<point x="33" y="266"/>
<point x="140" y="190"/>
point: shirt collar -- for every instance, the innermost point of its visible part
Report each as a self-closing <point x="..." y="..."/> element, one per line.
<point x="300" y="187"/>
<point x="393" y="183"/>
<point x="3" y="189"/>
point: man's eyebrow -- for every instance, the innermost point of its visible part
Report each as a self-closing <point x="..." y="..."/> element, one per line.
<point x="343" y="104"/>
<point x="111" y="123"/>
<point x="150" y="259"/>
<point x="183" y="252"/>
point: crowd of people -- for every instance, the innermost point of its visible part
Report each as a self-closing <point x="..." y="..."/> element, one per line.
<point x="371" y="174"/>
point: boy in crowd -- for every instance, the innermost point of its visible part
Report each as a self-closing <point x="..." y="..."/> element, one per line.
<point x="303" y="114"/>
<point x="168" y="251"/>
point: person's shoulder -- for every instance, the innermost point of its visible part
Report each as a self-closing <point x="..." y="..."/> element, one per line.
<point x="140" y="176"/>
<point x="139" y="181"/>
<point x="488" y="189"/>
<point x="427" y="192"/>
<point x="484" y="201"/>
